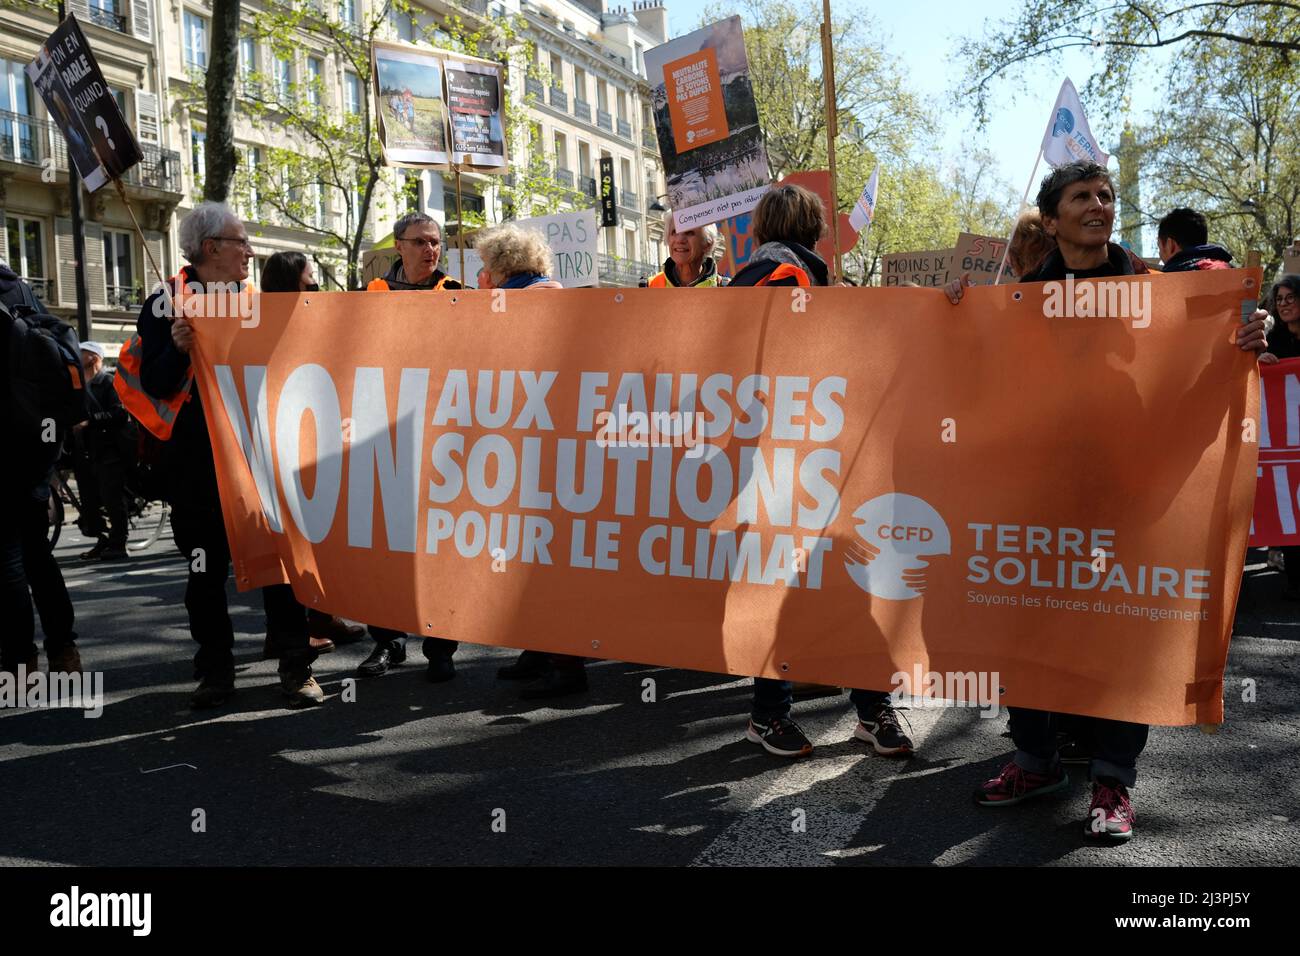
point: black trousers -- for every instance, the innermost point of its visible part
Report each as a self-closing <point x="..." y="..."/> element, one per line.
<point x="29" y="572"/>
<point x="100" y="481"/>
<point x="200" y="536"/>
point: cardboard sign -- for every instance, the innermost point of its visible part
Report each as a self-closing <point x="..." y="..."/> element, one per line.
<point x="410" y="106"/>
<point x="474" y="98"/>
<point x="70" y="82"/>
<point x="736" y="486"/>
<point x="715" y="164"/>
<point x="928" y="269"/>
<point x="1276" y="523"/>
<point x="573" y="238"/>
<point x="980" y="256"/>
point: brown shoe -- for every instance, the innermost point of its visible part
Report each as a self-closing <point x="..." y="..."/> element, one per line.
<point x="271" y="647"/>
<point x="330" y="628"/>
<point x="67" y="661"/>
<point x="301" y="690"/>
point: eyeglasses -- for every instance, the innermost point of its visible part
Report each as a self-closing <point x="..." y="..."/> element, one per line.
<point x="243" y="242"/>
<point x="1286" y="300"/>
<point x="431" y="243"/>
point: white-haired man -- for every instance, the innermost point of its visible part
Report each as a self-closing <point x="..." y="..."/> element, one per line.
<point x="216" y="245"/>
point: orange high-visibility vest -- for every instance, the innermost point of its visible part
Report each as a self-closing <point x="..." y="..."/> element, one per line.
<point x="785" y="271"/>
<point x="157" y="415"/>
<point x="381" y="285"/>
<point x="658" y="281"/>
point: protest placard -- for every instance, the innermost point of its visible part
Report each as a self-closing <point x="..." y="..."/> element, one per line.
<point x="410" y="106"/>
<point x="573" y="239"/>
<point x="477" y="127"/>
<point x="979" y="256"/>
<point x="916" y="268"/>
<point x="706" y="121"/>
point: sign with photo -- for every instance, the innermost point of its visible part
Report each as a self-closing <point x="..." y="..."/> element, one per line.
<point x="410" y="106"/>
<point x="100" y="144"/>
<point x="474" y="98"/>
<point x="706" y="122"/>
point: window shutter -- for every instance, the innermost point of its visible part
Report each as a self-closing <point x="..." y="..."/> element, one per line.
<point x="142" y="19"/>
<point x="95" y="263"/>
<point x="146" y="116"/>
<point x="67" y="262"/>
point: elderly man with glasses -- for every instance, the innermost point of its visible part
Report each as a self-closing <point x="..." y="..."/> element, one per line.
<point x="419" y="243"/>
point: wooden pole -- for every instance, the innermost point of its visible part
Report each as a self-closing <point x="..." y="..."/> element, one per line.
<point x="1024" y="201"/>
<point x="832" y="131"/>
<point x="121" y="192"/>
<point x="460" y="230"/>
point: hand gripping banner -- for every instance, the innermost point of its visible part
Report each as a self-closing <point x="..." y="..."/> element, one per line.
<point x="1049" y="482"/>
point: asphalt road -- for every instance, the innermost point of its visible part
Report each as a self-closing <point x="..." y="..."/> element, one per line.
<point x="466" y="773"/>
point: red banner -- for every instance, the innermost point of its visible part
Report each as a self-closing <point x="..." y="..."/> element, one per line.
<point x="1277" y="510"/>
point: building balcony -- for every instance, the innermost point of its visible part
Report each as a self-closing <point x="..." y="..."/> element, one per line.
<point x="127" y="298"/>
<point x="604" y="120"/>
<point x="31" y="142"/>
<point x="559" y="98"/>
<point x="648" y="139"/>
<point x="582" y="110"/>
<point x="564" y="177"/>
<point x="103" y="18"/>
<point x="629" y="200"/>
<point x="617" y="271"/>
<point x="533" y="87"/>
<point x="587" y="185"/>
<point x="624" y="129"/>
<point x="44" y="288"/>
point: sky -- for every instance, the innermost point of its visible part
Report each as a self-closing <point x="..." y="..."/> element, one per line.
<point x="924" y="37"/>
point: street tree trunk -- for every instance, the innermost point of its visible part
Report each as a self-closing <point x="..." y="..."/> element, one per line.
<point x="223" y="68"/>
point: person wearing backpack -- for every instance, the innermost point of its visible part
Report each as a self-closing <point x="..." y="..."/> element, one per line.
<point x="155" y="381"/>
<point x="41" y="399"/>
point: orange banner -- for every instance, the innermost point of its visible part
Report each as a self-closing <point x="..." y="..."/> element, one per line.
<point x="1048" y="483"/>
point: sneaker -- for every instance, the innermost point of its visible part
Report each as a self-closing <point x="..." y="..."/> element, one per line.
<point x="780" y="736"/>
<point x="301" y="689"/>
<point x="1110" y="816"/>
<point x="883" y="732"/>
<point x="66" y="661"/>
<point x="1014" y="784"/>
<point x="213" y="691"/>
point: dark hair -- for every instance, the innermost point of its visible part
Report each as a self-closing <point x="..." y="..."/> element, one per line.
<point x="1184" y="226"/>
<point x="414" y="219"/>
<point x="1054" y="183"/>
<point x="1291" y="282"/>
<point x="789" y="213"/>
<point x="283" y="272"/>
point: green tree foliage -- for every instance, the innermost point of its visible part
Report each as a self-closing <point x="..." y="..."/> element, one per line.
<point x="1232" y="150"/>
<point x="1119" y="34"/>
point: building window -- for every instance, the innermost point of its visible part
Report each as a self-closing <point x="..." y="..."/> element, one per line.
<point x="629" y="243"/>
<point x="469" y="202"/>
<point x="580" y="84"/>
<point x="25" y="251"/>
<point x="283" y="78"/>
<point x="119" y="97"/>
<point x="584" y="159"/>
<point x="402" y="23"/>
<point x="602" y="96"/>
<point x="622" y="106"/>
<point x="195" y="41"/>
<point x="561" y="151"/>
<point x="611" y="242"/>
<point x="348" y="11"/>
<point x="557" y="72"/>
<point x="119" y="269"/>
<point x="198" y="145"/>
<point x="17" y="139"/>
<point x="315" y="67"/>
<point x="352" y="93"/>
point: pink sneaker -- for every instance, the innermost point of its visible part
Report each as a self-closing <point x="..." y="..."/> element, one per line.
<point x="1014" y="784"/>
<point x="1111" y="816"/>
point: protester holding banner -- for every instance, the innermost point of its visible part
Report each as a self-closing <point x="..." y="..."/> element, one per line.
<point x="1077" y="205"/>
<point x="690" y="259"/>
<point x="292" y="272"/>
<point x="788" y="222"/>
<point x="215" y="243"/>
<point x="1184" y="240"/>
<point x="1284" y="343"/>
<point x="419" y="245"/>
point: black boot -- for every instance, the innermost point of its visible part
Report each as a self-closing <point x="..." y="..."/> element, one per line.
<point x="529" y="665"/>
<point x="381" y="658"/>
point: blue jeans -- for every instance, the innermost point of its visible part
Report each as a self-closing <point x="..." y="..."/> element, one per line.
<point x="1116" y="743"/>
<point x="773" y="699"/>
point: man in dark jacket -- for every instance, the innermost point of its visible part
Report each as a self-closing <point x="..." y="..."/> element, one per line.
<point x="1077" y="204"/>
<point x="214" y="241"/>
<point x="1184" y="240"/>
<point x="28" y="570"/>
<point x="419" y="243"/>
<point x="105" y="446"/>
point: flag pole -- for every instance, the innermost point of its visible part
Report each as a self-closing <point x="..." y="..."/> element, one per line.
<point x="1024" y="200"/>
<point x="828" y="76"/>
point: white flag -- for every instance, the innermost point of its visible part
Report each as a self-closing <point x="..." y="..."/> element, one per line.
<point x="864" y="210"/>
<point x="1068" y="138"/>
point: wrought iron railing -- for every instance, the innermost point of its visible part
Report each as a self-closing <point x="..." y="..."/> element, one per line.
<point x="30" y="141"/>
<point x="604" y="120"/>
<point x="582" y="110"/>
<point x="559" y="98"/>
<point x="624" y="129"/>
<point x="107" y="18"/>
<point x="564" y="177"/>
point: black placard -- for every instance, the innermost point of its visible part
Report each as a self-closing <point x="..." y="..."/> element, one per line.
<point x="70" y="82"/>
<point x="608" y="210"/>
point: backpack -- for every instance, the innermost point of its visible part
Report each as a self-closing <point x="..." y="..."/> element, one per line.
<point x="46" y="384"/>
